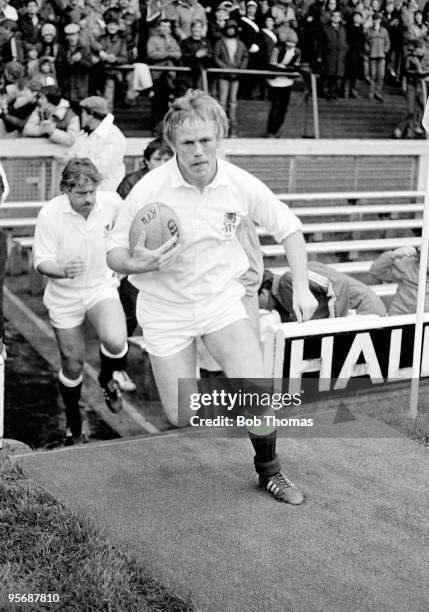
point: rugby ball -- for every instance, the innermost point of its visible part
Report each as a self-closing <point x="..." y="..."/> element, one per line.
<point x="159" y="222"/>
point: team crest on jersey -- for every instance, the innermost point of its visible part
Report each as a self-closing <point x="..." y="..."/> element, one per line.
<point x="107" y="229"/>
<point x="230" y="223"/>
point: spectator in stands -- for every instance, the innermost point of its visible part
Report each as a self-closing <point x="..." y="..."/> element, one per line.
<point x="391" y="21"/>
<point x="329" y="8"/>
<point x="349" y="10"/>
<point x="268" y="42"/>
<point x="73" y="64"/>
<point x="155" y="154"/>
<point x="418" y="29"/>
<point x="250" y="34"/>
<point x="182" y="13"/>
<point x="401" y="266"/>
<point x="334" y="48"/>
<point x="230" y="52"/>
<point x="101" y="141"/>
<point x="283" y="11"/>
<point x="377" y="47"/>
<point x="410" y="125"/>
<point x="162" y="49"/>
<point x="14" y="48"/>
<point x="69" y="248"/>
<point x="216" y="26"/>
<point x="407" y="11"/>
<point x="337" y="294"/>
<point x="46" y="73"/>
<point x="30" y="23"/>
<point x="356" y="50"/>
<point x="48" y="45"/>
<point x="53" y="119"/>
<point x="197" y="53"/>
<point x="129" y="28"/>
<point x="113" y="53"/>
<point x="7" y="11"/>
<point x="18" y="102"/>
<point x="285" y="57"/>
<point x="311" y="43"/>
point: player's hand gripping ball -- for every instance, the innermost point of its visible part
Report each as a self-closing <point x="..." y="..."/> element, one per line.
<point x="158" y="222"/>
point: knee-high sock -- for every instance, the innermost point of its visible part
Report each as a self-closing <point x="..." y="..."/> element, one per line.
<point x="70" y="390"/>
<point x="109" y="363"/>
<point x="266" y="460"/>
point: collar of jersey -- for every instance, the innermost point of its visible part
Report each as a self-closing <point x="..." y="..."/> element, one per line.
<point x="177" y="179"/>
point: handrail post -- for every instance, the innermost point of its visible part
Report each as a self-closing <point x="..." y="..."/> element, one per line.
<point x="204" y="80"/>
<point x="315" y="105"/>
<point x="425" y="99"/>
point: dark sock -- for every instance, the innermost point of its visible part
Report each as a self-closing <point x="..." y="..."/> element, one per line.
<point x="71" y="397"/>
<point x="265" y="446"/>
<point x="108" y="365"/>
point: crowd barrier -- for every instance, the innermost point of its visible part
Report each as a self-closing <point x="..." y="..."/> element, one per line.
<point x="307" y="78"/>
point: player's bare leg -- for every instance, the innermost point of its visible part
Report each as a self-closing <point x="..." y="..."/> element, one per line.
<point x="237" y="350"/>
<point x="167" y="372"/>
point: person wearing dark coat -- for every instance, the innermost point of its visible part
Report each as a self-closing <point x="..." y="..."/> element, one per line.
<point x="311" y="37"/>
<point x="197" y="53"/>
<point x="355" y="53"/>
<point x="250" y="35"/>
<point x="30" y="24"/>
<point x="268" y="42"/>
<point x="72" y="66"/>
<point x="334" y="49"/>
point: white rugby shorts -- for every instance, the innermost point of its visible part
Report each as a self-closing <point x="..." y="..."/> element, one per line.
<point x="68" y="308"/>
<point x="168" y="330"/>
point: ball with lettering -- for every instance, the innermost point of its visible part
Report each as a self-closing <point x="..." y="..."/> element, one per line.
<point x="159" y="222"/>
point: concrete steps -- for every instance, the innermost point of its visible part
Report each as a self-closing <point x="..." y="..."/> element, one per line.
<point x="340" y="118"/>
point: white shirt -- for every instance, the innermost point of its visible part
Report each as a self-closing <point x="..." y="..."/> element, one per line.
<point x="10" y="12"/>
<point x="62" y="233"/>
<point x="211" y="259"/>
<point x="105" y="147"/>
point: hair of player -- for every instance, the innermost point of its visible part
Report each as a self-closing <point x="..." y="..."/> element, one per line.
<point x="157" y="144"/>
<point x="195" y="107"/>
<point x="79" y="171"/>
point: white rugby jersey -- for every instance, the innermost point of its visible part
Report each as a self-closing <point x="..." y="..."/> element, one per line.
<point x="211" y="259"/>
<point x="62" y="233"/>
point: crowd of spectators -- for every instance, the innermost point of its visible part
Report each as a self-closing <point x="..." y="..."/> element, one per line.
<point x="79" y="47"/>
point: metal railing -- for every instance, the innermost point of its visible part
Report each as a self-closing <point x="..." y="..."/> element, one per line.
<point x="309" y="79"/>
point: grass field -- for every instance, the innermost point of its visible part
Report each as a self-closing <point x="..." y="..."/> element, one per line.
<point x="45" y="548"/>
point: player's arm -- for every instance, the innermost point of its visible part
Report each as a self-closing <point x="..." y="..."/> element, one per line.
<point x="45" y="251"/>
<point x="285" y="227"/>
<point x="304" y="302"/>
<point x="69" y="269"/>
<point x="142" y="260"/>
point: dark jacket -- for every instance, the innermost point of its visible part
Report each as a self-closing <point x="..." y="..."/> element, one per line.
<point x="72" y="75"/>
<point x="356" y="50"/>
<point x="221" y="58"/>
<point x="129" y="181"/>
<point x="190" y="47"/>
<point x="334" y="48"/>
<point x="30" y="32"/>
